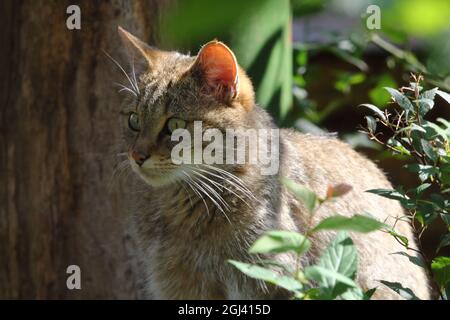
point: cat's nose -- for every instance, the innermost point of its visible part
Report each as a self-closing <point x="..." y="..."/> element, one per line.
<point x="139" y="157"/>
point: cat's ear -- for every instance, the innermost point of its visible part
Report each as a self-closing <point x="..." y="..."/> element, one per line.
<point x="141" y="54"/>
<point x="218" y="69"/>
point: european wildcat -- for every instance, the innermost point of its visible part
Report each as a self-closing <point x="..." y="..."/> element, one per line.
<point x="187" y="233"/>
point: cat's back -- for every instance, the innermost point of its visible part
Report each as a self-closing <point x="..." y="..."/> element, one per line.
<point x="321" y="161"/>
<point x="325" y="160"/>
<point x="318" y="162"/>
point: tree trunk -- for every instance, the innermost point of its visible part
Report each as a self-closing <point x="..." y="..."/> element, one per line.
<point x="58" y="120"/>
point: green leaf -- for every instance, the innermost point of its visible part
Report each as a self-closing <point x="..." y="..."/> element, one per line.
<point x="313" y="294"/>
<point x="258" y="272"/>
<point x="302" y="193"/>
<point x="441" y="270"/>
<point x="413" y="259"/>
<point x="302" y="58"/>
<point x="397" y="287"/>
<point x="401" y="99"/>
<point x="444" y="122"/>
<point x="390" y="194"/>
<point x="398" y="146"/>
<point x="444" y="95"/>
<point x="421" y="188"/>
<point x="415" y="127"/>
<point x="371" y="123"/>
<point x="369" y="293"/>
<point x="415" y="86"/>
<point x="429" y="94"/>
<point x="353" y="294"/>
<point x="374" y="109"/>
<point x="404" y="240"/>
<point x="445" y="241"/>
<point x="281" y="241"/>
<point x="358" y="223"/>
<point x="446" y="219"/>
<point x="340" y="256"/>
<point x="327" y="276"/>
<point x="426" y="212"/>
<point x="428" y="149"/>
<point x="426" y="102"/>
<point x="287" y="269"/>
<point x="425" y="105"/>
<point x="336" y="269"/>
<point x="434" y="130"/>
<point x="424" y="171"/>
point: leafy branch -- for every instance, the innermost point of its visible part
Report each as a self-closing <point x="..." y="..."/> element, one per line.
<point x="407" y="132"/>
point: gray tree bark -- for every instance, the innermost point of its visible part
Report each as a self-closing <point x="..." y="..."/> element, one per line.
<point x="58" y="120"/>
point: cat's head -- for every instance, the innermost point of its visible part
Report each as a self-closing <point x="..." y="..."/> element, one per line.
<point x="172" y="90"/>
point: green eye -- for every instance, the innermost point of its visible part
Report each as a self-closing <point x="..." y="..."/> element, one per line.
<point x="133" y="122"/>
<point x="175" y="123"/>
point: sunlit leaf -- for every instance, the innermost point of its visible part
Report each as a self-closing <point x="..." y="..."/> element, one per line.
<point x="401" y="99"/>
<point x="397" y="287"/>
<point x="444" y="95"/>
<point x="336" y="269"/>
<point x="401" y="238"/>
<point x="388" y="193"/>
<point x="322" y="274"/>
<point x="441" y="270"/>
<point x="358" y="223"/>
<point x="371" y="124"/>
<point x="302" y="193"/>
<point x="281" y="241"/>
<point x="428" y="149"/>
<point x="369" y="293"/>
<point x="374" y="109"/>
<point x="268" y="275"/>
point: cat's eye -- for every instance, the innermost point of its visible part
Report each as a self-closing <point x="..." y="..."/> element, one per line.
<point x="175" y="123"/>
<point x="133" y="122"/>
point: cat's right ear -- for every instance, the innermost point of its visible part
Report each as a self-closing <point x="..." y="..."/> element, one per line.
<point x="142" y="55"/>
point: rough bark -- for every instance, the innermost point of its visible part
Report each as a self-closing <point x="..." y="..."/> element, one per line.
<point x="58" y="118"/>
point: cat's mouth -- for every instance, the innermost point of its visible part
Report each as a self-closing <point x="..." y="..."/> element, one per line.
<point x="156" y="174"/>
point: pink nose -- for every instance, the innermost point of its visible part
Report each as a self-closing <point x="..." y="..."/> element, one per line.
<point x="139" y="157"/>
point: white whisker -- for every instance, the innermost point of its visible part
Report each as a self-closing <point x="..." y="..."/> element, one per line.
<point x="133" y="72"/>
<point x="222" y="186"/>
<point x="195" y="190"/>
<point x="135" y="89"/>
<point x="201" y="184"/>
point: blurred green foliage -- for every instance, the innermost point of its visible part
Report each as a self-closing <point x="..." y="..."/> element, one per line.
<point x="405" y="25"/>
<point x="258" y="31"/>
<point x="416" y="17"/>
